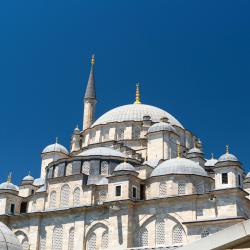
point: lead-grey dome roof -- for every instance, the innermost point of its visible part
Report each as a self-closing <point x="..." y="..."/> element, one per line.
<point x="228" y="157"/>
<point x="124" y="166"/>
<point x="135" y="112"/>
<point x="179" y="166"/>
<point x="56" y="147"/>
<point x="8" y="186"/>
<point x="28" y="178"/>
<point x="195" y="151"/>
<point x="161" y="126"/>
<point x="211" y="162"/>
<point x="102" y="151"/>
<point x="8" y="240"/>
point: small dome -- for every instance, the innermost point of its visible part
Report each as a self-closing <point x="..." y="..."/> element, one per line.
<point x="124" y="166"/>
<point x="228" y="157"/>
<point x="179" y="166"/>
<point x="8" y="239"/>
<point x="248" y="175"/>
<point x="56" y="147"/>
<point x="102" y="151"/>
<point x="195" y="151"/>
<point x="39" y="182"/>
<point x="161" y="126"/>
<point x="8" y="186"/>
<point x="135" y="112"/>
<point x="211" y="162"/>
<point x="28" y="178"/>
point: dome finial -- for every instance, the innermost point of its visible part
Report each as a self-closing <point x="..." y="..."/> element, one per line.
<point x="227" y="149"/>
<point x="212" y="155"/>
<point x="9" y="180"/>
<point x="137" y="94"/>
<point x="93" y="59"/>
<point x="57" y="140"/>
<point x="178" y="151"/>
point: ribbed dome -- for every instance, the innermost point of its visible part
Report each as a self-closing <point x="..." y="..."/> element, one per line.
<point x="124" y="166"/>
<point x="228" y="157"/>
<point x="211" y="162"/>
<point x="8" y="240"/>
<point x="135" y="112"/>
<point x="8" y="186"/>
<point x="102" y="151"/>
<point x="56" y="147"/>
<point x="161" y="126"/>
<point x="179" y="166"/>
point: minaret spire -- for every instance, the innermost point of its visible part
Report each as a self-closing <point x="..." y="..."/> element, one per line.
<point x="90" y="98"/>
<point x="137" y="94"/>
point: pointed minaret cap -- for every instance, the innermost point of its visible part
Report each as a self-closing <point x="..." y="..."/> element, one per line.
<point x="90" y="90"/>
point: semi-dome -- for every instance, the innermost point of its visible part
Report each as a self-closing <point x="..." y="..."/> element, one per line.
<point x="135" y="112"/>
<point x="228" y="157"/>
<point x="179" y="166"/>
<point x="56" y="147"/>
<point x="8" y="239"/>
<point x="8" y="186"/>
<point x="124" y="166"/>
<point x="161" y="126"/>
<point x="102" y="151"/>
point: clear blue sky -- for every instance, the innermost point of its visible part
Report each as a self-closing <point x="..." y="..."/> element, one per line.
<point x="191" y="57"/>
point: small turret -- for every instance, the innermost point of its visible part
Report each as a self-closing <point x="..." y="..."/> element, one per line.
<point x="90" y="99"/>
<point x="75" y="140"/>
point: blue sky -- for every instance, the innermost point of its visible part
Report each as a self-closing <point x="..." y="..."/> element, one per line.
<point x="192" y="59"/>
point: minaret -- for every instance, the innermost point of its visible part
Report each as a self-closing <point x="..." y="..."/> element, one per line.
<point x="90" y="99"/>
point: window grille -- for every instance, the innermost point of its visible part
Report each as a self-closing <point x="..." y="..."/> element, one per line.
<point x="76" y="197"/>
<point x="177" y="235"/>
<point x="136" y="133"/>
<point x="200" y="188"/>
<point x="71" y="239"/>
<point x="86" y="167"/>
<point x="134" y="192"/>
<point x="57" y="238"/>
<point x="105" y="135"/>
<point x="52" y="203"/>
<point x="181" y="188"/>
<point x="76" y="167"/>
<point x="102" y="196"/>
<point x="91" y="243"/>
<point x="65" y="195"/>
<point x="120" y="134"/>
<point x="105" y="240"/>
<point x="42" y="239"/>
<point x="143" y="237"/>
<point x="163" y="189"/>
<point x="56" y="171"/>
<point x="160" y="232"/>
<point x="199" y="212"/>
<point x="104" y="168"/>
<point x="204" y="234"/>
<point x="61" y="169"/>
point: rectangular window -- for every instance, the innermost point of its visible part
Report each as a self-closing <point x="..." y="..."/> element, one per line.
<point x="118" y="190"/>
<point x="181" y="188"/>
<point x="224" y="178"/>
<point x="239" y="180"/>
<point x="12" y="208"/>
<point x="134" y="192"/>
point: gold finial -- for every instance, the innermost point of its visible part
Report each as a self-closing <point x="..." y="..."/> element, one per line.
<point x="227" y="149"/>
<point x="137" y="94"/>
<point x="9" y="180"/>
<point x="178" y="151"/>
<point x="93" y="59"/>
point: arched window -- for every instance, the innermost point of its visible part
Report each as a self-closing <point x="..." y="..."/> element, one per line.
<point x="52" y="202"/>
<point x="86" y="167"/>
<point x="25" y="244"/>
<point x="76" y="197"/>
<point x="181" y="188"/>
<point x="204" y="233"/>
<point x="200" y="188"/>
<point x="71" y="238"/>
<point x="104" y="168"/>
<point x="105" y="240"/>
<point x="160" y="231"/>
<point x="42" y="245"/>
<point x="177" y="234"/>
<point x="57" y="238"/>
<point x="143" y="237"/>
<point x="91" y="242"/>
<point x="120" y="133"/>
<point x="65" y="195"/>
<point x="163" y="189"/>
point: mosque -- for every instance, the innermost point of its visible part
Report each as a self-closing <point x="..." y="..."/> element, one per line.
<point x="135" y="178"/>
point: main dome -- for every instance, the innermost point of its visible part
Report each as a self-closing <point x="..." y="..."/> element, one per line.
<point x="135" y="112"/>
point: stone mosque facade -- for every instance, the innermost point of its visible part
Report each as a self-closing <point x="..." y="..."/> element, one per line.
<point x="135" y="178"/>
